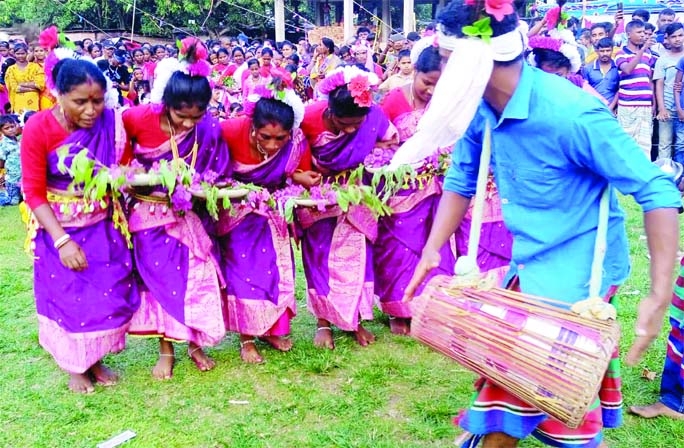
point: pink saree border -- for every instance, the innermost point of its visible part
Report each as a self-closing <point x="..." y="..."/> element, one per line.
<point x="350" y="296"/>
<point x="77" y="352"/>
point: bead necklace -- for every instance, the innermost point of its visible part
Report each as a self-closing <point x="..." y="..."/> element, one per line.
<point x="174" y="146"/>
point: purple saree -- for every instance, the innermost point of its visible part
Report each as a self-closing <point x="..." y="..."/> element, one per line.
<point x="402" y="235"/>
<point x="256" y="254"/>
<point x="336" y="246"/>
<point x="496" y="242"/>
<point x="82" y="316"/>
<point x="181" y="295"/>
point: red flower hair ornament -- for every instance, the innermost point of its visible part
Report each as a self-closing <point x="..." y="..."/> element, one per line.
<point x="359" y="82"/>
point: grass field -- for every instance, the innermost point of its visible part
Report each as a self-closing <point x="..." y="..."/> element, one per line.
<point x="395" y="393"/>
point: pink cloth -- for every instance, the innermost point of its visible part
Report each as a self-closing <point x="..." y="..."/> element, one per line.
<point x="77" y="352"/>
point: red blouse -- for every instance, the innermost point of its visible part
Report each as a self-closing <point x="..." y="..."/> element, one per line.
<point x="143" y="125"/>
<point x="236" y="133"/>
<point x="313" y="125"/>
<point x="42" y="135"/>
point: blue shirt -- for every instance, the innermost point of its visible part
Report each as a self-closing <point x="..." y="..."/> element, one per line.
<point x="606" y="85"/>
<point x="555" y="149"/>
<point x="9" y="152"/>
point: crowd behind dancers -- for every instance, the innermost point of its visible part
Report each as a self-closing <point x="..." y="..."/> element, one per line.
<point x="233" y="111"/>
<point x="632" y="64"/>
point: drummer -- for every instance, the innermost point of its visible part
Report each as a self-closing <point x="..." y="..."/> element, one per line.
<point x="555" y="149"/>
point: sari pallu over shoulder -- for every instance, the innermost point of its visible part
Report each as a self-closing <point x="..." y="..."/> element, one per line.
<point x="256" y="253"/>
<point x="174" y="253"/>
<point x="83" y="316"/>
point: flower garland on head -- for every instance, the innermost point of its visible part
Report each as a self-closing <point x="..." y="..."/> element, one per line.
<point x="280" y="88"/>
<point x="561" y="41"/>
<point x="360" y="84"/>
<point x="192" y="60"/>
<point x="59" y="47"/>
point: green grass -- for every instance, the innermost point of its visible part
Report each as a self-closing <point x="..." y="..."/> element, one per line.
<point x="395" y="393"/>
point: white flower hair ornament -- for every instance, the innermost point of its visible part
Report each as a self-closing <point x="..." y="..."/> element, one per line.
<point x="192" y="60"/>
<point x="280" y="88"/>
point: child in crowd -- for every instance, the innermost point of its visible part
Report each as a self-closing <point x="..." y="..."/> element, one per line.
<point x="9" y="160"/>
<point x="235" y="110"/>
<point x="139" y="90"/>
<point x="217" y="102"/>
<point x="403" y="76"/>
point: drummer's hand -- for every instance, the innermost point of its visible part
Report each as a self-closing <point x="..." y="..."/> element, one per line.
<point x="306" y="179"/>
<point x="428" y="261"/>
<point x="73" y="257"/>
<point x="648" y="325"/>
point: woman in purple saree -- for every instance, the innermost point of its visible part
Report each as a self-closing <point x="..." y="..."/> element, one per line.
<point x="181" y="297"/>
<point x="85" y="289"/>
<point x="256" y="254"/>
<point x="336" y="246"/>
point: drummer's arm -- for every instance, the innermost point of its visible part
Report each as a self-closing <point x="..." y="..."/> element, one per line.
<point x="607" y="150"/>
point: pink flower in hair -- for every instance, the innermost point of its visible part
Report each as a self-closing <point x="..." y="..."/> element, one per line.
<point x="49" y="38"/>
<point x="200" y="50"/>
<point x="470" y="2"/>
<point x="545" y="42"/>
<point x="359" y="87"/>
<point x="499" y="8"/>
<point x="283" y="75"/>
<point x="200" y="68"/>
<point x="363" y="99"/>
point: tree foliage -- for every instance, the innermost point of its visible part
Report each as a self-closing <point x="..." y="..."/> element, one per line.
<point x="152" y="17"/>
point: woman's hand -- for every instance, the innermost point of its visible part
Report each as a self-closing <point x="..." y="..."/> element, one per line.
<point x="306" y="179"/>
<point x="73" y="257"/>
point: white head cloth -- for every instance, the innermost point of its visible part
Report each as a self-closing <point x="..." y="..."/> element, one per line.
<point x="458" y="92"/>
<point x="454" y="102"/>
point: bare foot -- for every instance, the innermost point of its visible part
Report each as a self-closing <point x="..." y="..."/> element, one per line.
<point x="400" y="325"/>
<point x="104" y="375"/>
<point x="249" y="352"/>
<point x="364" y="337"/>
<point x="80" y="383"/>
<point x="656" y="410"/>
<point x="324" y="338"/>
<point x="203" y="362"/>
<point x="163" y="370"/>
<point x="282" y="343"/>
